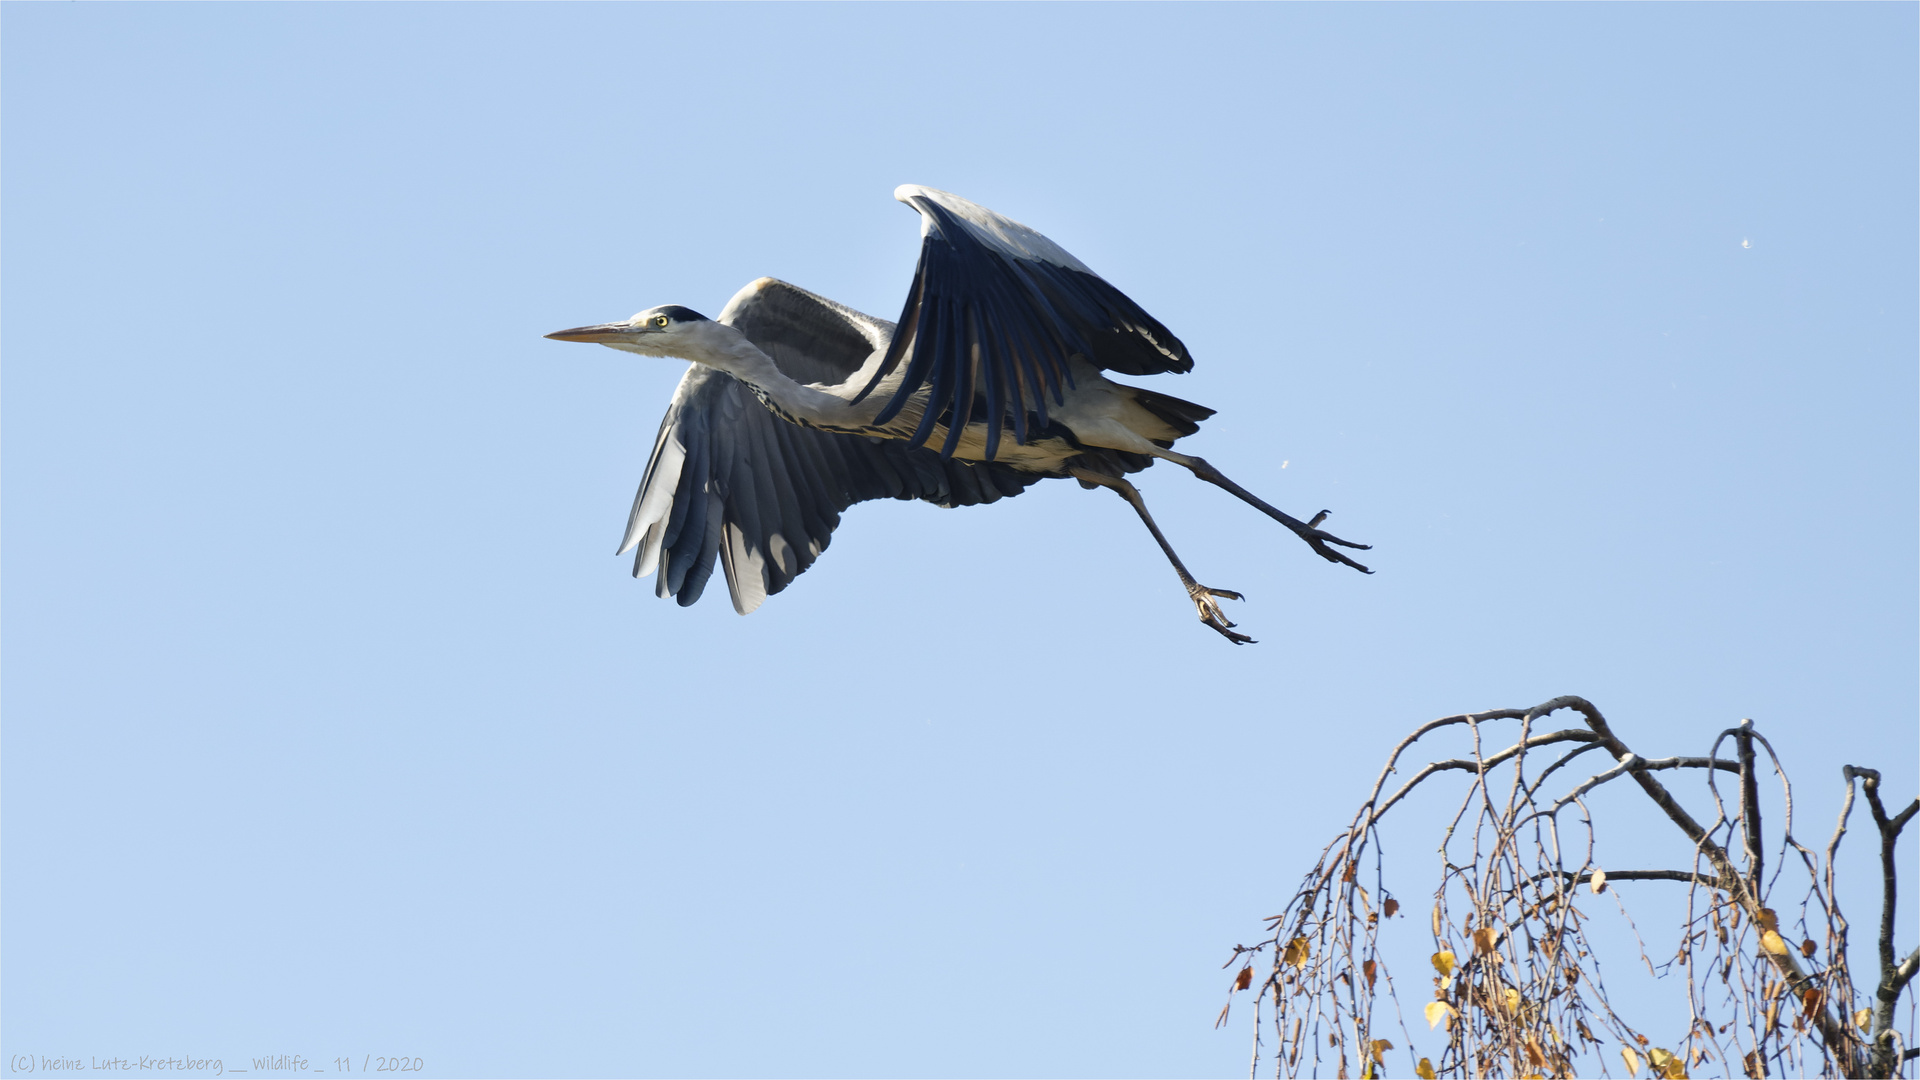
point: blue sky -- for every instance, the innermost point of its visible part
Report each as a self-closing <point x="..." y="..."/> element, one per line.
<point x="332" y="727"/>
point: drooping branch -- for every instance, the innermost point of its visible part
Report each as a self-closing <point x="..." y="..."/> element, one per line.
<point x="1463" y="765"/>
<point x="1524" y="935"/>
<point x="1785" y="961"/>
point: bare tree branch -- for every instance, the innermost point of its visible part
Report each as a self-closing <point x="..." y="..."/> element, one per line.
<point x="1894" y="977"/>
<point x="1750" y="807"/>
<point x="1608" y="876"/>
<point x="1519" y="988"/>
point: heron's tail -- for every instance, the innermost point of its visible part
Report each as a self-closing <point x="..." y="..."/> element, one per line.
<point x="1182" y="416"/>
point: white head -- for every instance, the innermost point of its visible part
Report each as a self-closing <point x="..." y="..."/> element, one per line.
<point x="668" y="330"/>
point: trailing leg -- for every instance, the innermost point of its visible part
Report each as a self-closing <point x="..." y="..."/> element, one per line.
<point x="1310" y="531"/>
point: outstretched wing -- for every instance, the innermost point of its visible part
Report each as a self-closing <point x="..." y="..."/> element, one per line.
<point x="993" y="314"/>
<point x="732" y="484"/>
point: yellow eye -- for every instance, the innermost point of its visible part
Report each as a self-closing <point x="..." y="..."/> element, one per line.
<point x="659" y="320"/>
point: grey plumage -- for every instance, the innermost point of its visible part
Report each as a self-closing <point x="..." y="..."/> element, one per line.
<point x="796" y="407"/>
<point x="761" y="496"/>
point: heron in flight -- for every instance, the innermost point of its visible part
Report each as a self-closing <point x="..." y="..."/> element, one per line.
<point x="796" y="407"/>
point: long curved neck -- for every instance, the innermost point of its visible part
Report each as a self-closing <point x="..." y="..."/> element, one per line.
<point x="726" y="349"/>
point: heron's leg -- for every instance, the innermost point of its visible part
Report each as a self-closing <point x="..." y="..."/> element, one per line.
<point x="1203" y="597"/>
<point x="1310" y="531"/>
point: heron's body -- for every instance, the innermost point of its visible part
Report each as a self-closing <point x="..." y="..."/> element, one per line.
<point x="796" y="407"/>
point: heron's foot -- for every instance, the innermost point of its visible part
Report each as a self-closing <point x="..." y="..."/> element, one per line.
<point x="1204" y="601"/>
<point x="1318" y="539"/>
<point x="1310" y="531"/>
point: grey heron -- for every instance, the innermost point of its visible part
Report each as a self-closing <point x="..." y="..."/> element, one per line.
<point x="796" y="407"/>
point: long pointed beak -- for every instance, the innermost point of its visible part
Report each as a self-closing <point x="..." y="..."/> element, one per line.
<point x="602" y="333"/>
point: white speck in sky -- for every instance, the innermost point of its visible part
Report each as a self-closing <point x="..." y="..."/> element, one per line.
<point x="1283" y="464"/>
<point x="1746" y="243"/>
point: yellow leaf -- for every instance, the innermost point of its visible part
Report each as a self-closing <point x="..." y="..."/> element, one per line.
<point x="1424" y="1070"/>
<point x="1599" y="882"/>
<point x="1389" y="907"/>
<point x="1298" y="950"/>
<point x="1632" y="1059"/>
<point x="1378" y="1047"/>
<point x="1439" y="1012"/>
<point x="1772" y="942"/>
<point x="1512" y="998"/>
<point x="1244" y="979"/>
<point x="1443" y="962"/>
<point x="1666" y="1065"/>
<point x="1863" y="1019"/>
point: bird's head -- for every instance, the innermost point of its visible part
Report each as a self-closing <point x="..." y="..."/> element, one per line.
<point x="669" y="330"/>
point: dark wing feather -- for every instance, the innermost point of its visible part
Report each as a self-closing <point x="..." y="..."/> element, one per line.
<point x="810" y="338"/>
<point x="994" y="313"/>
<point x="732" y="485"/>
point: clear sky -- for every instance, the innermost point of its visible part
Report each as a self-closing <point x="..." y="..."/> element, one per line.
<point x="332" y="726"/>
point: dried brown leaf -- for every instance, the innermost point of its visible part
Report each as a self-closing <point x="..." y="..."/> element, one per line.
<point x="1390" y="907"/>
<point x="1244" y="979"/>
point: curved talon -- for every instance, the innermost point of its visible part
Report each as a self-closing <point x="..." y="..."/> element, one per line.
<point x="1210" y="613"/>
<point x="1318" y="539"/>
